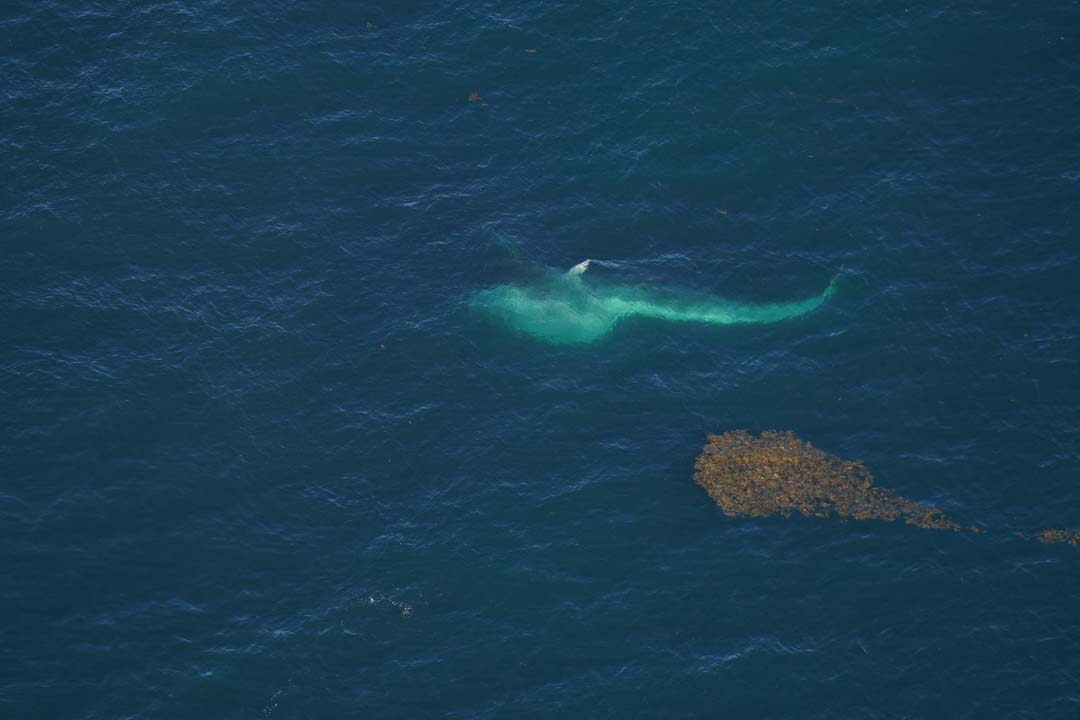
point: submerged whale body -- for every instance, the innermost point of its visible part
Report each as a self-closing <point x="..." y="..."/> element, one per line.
<point x="562" y="308"/>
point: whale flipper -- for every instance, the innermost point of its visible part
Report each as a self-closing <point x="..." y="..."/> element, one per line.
<point x="580" y="267"/>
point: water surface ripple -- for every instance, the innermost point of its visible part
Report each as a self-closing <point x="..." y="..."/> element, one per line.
<point x="261" y="460"/>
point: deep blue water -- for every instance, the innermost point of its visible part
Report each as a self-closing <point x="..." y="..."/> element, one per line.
<point x="249" y="418"/>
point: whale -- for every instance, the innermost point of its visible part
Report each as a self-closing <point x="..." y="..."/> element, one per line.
<point x="564" y="308"/>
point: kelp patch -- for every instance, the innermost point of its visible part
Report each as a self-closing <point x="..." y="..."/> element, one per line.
<point x="777" y="473"/>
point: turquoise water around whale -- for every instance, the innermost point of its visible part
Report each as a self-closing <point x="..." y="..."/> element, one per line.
<point x="562" y="309"/>
<point x="262" y="457"/>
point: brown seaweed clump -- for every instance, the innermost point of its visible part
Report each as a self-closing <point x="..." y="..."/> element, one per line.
<point x="1071" y="537"/>
<point x="777" y="473"/>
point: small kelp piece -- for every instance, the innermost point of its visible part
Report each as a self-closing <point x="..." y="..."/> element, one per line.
<point x="777" y="473"/>
<point x="1071" y="537"/>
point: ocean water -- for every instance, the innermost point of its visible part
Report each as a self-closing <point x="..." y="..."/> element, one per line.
<point x="262" y="458"/>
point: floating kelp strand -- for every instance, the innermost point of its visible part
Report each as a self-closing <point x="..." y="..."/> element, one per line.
<point x="1068" y="536"/>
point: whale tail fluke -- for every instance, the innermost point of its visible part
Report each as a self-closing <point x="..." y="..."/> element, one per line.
<point x="831" y="290"/>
